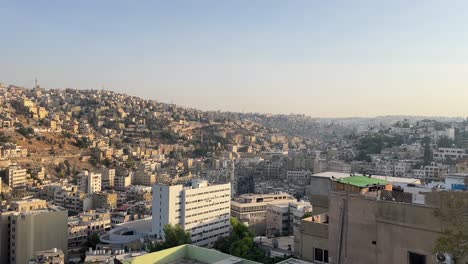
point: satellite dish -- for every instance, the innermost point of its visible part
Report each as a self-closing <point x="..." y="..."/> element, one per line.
<point x="441" y="257"/>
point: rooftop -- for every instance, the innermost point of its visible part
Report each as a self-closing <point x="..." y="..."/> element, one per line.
<point x="188" y="254"/>
<point x="395" y="180"/>
<point x="361" y="181"/>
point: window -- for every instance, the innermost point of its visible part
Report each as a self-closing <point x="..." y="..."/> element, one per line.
<point x="321" y="255"/>
<point x="415" y="258"/>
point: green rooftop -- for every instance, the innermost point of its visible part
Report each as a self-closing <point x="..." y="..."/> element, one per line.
<point x="361" y="181"/>
<point x="187" y="254"/>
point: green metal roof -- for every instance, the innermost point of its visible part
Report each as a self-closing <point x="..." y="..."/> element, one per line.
<point x="361" y="181"/>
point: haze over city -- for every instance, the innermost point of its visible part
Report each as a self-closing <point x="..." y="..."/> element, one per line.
<point x="241" y="132"/>
<point x="320" y="58"/>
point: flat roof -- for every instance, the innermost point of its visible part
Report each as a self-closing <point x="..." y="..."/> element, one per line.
<point x="294" y="261"/>
<point x="339" y="175"/>
<point x="361" y="181"/>
<point x="186" y="261"/>
<point x="457" y="175"/>
<point x="141" y="225"/>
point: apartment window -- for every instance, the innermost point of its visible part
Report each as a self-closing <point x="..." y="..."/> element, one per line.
<point x="321" y="255"/>
<point x="415" y="258"/>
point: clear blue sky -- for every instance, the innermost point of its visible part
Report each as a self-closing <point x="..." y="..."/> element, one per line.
<point x="322" y="58"/>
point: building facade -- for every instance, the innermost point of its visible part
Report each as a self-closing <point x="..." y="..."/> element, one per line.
<point x="201" y="209"/>
<point x="251" y="208"/>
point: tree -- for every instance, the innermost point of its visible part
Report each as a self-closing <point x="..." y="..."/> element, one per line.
<point x="307" y="214"/>
<point x="83" y="142"/>
<point x="106" y="162"/>
<point x="174" y="235"/>
<point x="240" y="243"/>
<point x="93" y="240"/>
<point x="25" y="132"/>
<point x="445" y="142"/>
<point x="4" y="138"/>
<point x="453" y="216"/>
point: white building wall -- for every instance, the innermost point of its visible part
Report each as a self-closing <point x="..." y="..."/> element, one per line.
<point x="203" y="211"/>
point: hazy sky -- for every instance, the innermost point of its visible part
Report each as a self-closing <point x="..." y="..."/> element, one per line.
<point x="322" y="58"/>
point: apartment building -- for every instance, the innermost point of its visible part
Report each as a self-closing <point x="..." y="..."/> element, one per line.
<point x="122" y="182"/>
<point x="442" y="154"/>
<point x="108" y="179"/>
<point x="284" y="219"/>
<point x="89" y="182"/>
<point x="371" y="222"/>
<point x="302" y="176"/>
<point x="201" y="209"/>
<point x="16" y="177"/>
<point x="311" y="239"/>
<point x="145" y="178"/>
<point x="36" y="227"/>
<point x="73" y="200"/>
<point x="104" y="200"/>
<point x="277" y="220"/>
<point x="251" y="208"/>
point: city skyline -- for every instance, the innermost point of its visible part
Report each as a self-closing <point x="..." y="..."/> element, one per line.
<point x="322" y="59"/>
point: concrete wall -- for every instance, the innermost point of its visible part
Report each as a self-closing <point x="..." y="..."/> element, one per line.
<point x="319" y="186"/>
<point x="4" y="237"/>
<point x="312" y="235"/>
<point x="39" y="231"/>
<point x="380" y="231"/>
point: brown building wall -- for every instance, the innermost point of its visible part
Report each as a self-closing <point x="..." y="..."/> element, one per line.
<point x="380" y="231"/>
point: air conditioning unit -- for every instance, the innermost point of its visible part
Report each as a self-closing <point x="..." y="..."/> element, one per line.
<point x="444" y="258"/>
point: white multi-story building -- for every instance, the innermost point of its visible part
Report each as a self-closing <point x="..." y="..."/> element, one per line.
<point x="89" y="182"/>
<point x="16" y="177"/>
<point x="402" y="169"/>
<point x="442" y="154"/>
<point x="251" y="208"/>
<point x="201" y="209"/>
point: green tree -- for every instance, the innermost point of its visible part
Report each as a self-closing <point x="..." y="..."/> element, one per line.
<point x="4" y="138"/>
<point x="106" y="162"/>
<point x="174" y="235"/>
<point x="25" y="132"/>
<point x="240" y="243"/>
<point x="83" y="142"/>
<point x="445" y="142"/>
<point x="93" y="240"/>
<point x="307" y="214"/>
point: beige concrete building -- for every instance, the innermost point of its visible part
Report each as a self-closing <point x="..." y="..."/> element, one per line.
<point x="104" y="200"/>
<point x="145" y="178"/>
<point x="28" y="205"/>
<point x="16" y="177"/>
<point x="374" y="225"/>
<point x="108" y="179"/>
<point x="89" y="182"/>
<point x="33" y="229"/>
<point x="74" y="201"/>
<point x="311" y="241"/>
<point x="251" y="208"/>
<point x="122" y="182"/>
<point x="277" y="220"/>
